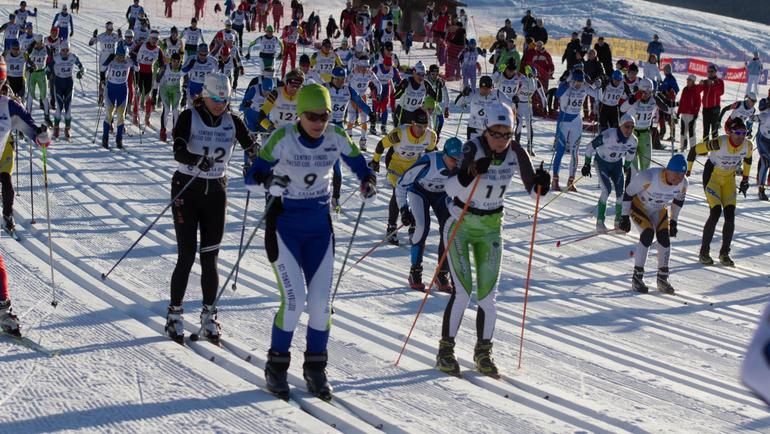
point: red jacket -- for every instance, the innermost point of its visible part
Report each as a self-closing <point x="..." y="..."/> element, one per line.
<point x="440" y="25"/>
<point x="540" y="60"/>
<point x="689" y="103"/>
<point x="712" y="93"/>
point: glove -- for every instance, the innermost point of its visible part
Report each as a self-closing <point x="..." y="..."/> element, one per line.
<point x="406" y="216"/>
<point x="369" y="189"/>
<point x="79" y="75"/>
<point x="41" y="136"/>
<point x="248" y="56"/>
<point x="481" y="166"/>
<point x="375" y="165"/>
<point x="542" y="179"/>
<point x="466" y="91"/>
<point x="241" y="71"/>
<point x="276" y="185"/>
<point x="205" y="163"/>
<point x="34" y="10"/>
<point x="744" y="187"/>
<point x="246" y="103"/>
<point x="96" y="33"/>
<point x="586" y="170"/>
<point x="373" y="118"/>
<point x="446" y="113"/>
<point x="672" y="229"/>
<point x="625" y="224"/>
<point x="688" y="173"/>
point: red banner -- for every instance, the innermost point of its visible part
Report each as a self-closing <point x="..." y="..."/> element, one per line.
<point x="697" y="67"/>
<point x="737" y="75"/>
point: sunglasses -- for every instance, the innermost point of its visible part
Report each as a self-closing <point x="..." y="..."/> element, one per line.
<point x="740" y="132"/>
<point x="627" y="126"/>
<point x="295" y="82"/>
<point x="219" y="100"/>
<point x="496" y="135"/>
<point x="316" y="117"/>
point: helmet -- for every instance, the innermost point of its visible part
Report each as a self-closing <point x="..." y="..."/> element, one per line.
<point x="129" y="33"/>
<point x="29" y="25"/>
<point x="472" y="42"/>
<point x="617" y="75"/>
<point x="216" y="86"/>
<point x="578" y="76"/>
<point x="65" y="45"/>
<point x="121" y="50"/>
<point x="752" y="96"/>
<point x="735" y="124"/>
<point x="38" y="38"/>
<point x="421" y="117"/>
<point x="228" y="22"/>
<point x="645" y="85"/>
<point x="626" y="118"/>
<point x="14" y="43"/>
<point x="304" y="59"/>
<point x="344" y="41"/>
<point x="453" y="147"/>
<point x="419" y="68"/>
<point x="203" y="49"/>
<point x="499" y="114"/>
<point x="339" y="72"/>
<point x="486" y="81"/>
<point x="267" y="83"/>
<point x="225" y="51"/>
<point x="677" y="164"/>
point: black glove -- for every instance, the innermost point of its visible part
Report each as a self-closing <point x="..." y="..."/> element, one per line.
<point x="466" y="91"/>
<point x="276" y="184"/>
<point x="205" y="163"/>
<point x="368" y="188"/>
<point x="34" y="10"/>
<point x="248" y="56"/>
<point x="79" y="75"/>
<point x="375" y="165"/>
<point x="542" y="179"/>
<point x="481" y="166"/>
<point x="586" y="170"/>
<point x="625" y="224"/>
<point x="373" y="117"/>
<point x="744" y="187"/>
<point x="96" y="33"/>
<point x="672" y="229"/>
<point x="406" y="216"/>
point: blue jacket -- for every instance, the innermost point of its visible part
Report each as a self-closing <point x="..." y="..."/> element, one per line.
<point x="656" y="48"/>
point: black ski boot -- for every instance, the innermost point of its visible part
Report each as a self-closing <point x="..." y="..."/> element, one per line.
<point x="212" y="330"/>
<point x="445" y="359"/>
<point x="276" y="378"/>
<point x="314" y="371"/>
<point x="175" y="324"/>
<point x="663" y="284"/>
<point x="119" y="142"/>
<point x="392" y="235"/>
<point x="383" y="130"/>
<point x="762" y="194"/>
<point x="8" y="223"/>
<point x="9" y="322"/>
<point x="415" y="278"/>
<point x="705" y="259"/>
<point x="637" y="282"/>
<point x="105" y="142"/>
<point x="725" y="260"/>
<point x="482" y="355"/>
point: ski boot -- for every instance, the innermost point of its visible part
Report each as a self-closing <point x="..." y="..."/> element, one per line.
<point x="9" y="322"/>
<point x="383" y="130"/>
<point x="392" y="235"/>
<point x="762" y="195"/>
<point x="276" y="378"/>
<point x="445" y="359"/>
<point x="56" y="131"/>
<point x="314" y="371"/>
<point x="482" y="355"/>
<point x="106" y="142"/>
<point x="211" y="328"/>
<point x="119" y="136"/>
<point x="571" y="184"/>
<point x="372" y="129"/>
<point x="147" y="119"/>
<point x="705" y="259"/>
<point x="443" y="282"/>
<point x="67" y="133"/>
<point x="415" y="278"/>
<point x="175" y="324"/>
<point x="725" y="260"/>
<point x="163" y="135"/>
<point x="600" y="226"/>
<point x="8" y="223"/>
<point x="663" y="284"/>
<point x="637" y="282"/>
<point x="555" y="183"/>
<point x="362" y="144"/>
<point x="48" y="121"/>
<point x="135" y="118"/>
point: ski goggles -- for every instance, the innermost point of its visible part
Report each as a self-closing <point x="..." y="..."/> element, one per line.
<point x="295" y="82"/>
<point x="496" y="135"/>
<point x="219" y="99"/>
<point x="316" y="117"/>
<point x="740" y="132"/>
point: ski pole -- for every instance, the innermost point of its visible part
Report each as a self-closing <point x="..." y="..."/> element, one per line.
<point x="554" y="198"/>
<point x="31" y="193"/>
<point x="82" y="90"/>
<point x="440" y="264"/>
<point x="348" y="198"/>
<point x="54" y="302"/>
<point x="586" y="237"/>
<point x="195" y="336"/>
<point x="16" y="151"/>
<point x="347" y="253"/>
<point x="96" y="128"/>
<point x="529" y="271"/>
<point x="193" y="178"/>
<point x="375" y="247"/>
<point x="459" y="121"/>
<point x="243" y="230"/>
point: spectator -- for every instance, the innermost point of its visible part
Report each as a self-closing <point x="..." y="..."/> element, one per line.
<point x="541" y="60"/>
<point x="527" y="23"/>
<point x="753" y="70"/>
<point x="332" y="30"/>
<point x="463" y="18"/>
<point x="689" y="107"/>
<point x="713" y="89"/>
<point x="348" y="22"/>
<point x="539" y="33"/>
<point x="508" y="30"/>
<point x="655" y="47"/>
<point x="592" y="68"/>
<point x="573" y="53"/>
<point x="667" y="90"/>
<point x="397" y="13"/>
<point x="455" y="45"/>
<point x="604" y="54"/>
<point x="427" y="24"/>
<point x="508" y="52"/>
<point x="587" y="37"/>
<point x="651" y="70"/>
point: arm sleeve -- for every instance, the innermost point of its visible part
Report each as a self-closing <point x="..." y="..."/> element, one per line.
<point x="678" y="202"/>
<point x="181" y="133"/>
<point x="409" y="177"/>
<point x="526" y="171"/>
<point x="464" y="174"/>
<point x="356" y="98"/>
<point x="637" y="184"/>
<point x="267" y="158"/>
<point x="21" y="120"/>
<point x="747" y="160"/>
<point x="242" y="134"/>
<point x="392" y="138"/>
<point x="597" y="142"/>
<point x="401" y="88"/>
<point x="701" y="148"/>
<point x="267" y="107"/>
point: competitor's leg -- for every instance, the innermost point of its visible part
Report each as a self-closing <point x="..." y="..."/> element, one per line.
<point x="6" y="181"/>
<point x="561" y="145"/>
<point x="460" y="267"/>
<point x="318" y="267"/>
<point x="712" y="189"/>
<point x="729" y="196"/>
<point x="420" y="208"/>
<point x="487" y="252"/>
<point x="576" y="131"/>
<point x="646" y="233"/>
<point x="644" y="151"/>
<point x="212" y="226"/>
<point x="606" y="188"/>
<point x="185" y="213"/>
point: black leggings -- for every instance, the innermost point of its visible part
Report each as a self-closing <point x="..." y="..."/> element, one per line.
<point x="7" y="192"/>
<point x="202" y="206"/>
<point x="711" y="122"/>
<point x="728" y="228"/>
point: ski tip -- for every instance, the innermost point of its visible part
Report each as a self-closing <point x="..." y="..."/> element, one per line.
<point x="194" y="337"/>
<point x="54" y="303"/>
<point x="234" y="287"/>
<point x="104" y="276"/>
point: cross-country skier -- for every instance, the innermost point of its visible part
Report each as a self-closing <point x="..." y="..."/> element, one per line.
<point x="193" y="37"/>
<point x="255" y="96"/>
<point x="169" y="81"/>
<point x="63" y="20"/>
<point x="27" y="37"/>
<point x="740" y="109"/>
<point x="204" y="137"/>
<point x="491" y="159"/>
<point x="238" y="19"/>
<point x="362" y="79"/>
<point x="37" y="57"/>
<point x="389" y="77"/>
<point x="147" y="58"/>
<point x="61" y="67"/>
<point x="529" y="85"/>
<point x="299" y="234"/>
<point x="755" y="369"/>
<point x="469" y="63"/>
<point x="614" y="91"/>
<point x="479" y="101"/>
<point x="11" y="30"/>
<point x="411" y="94"/>
<point x="324" y="60"/>
<point x="438" y="106"/>
<point x="645" y="201"/>
<point x="268" y="46"/>
<point x="405" y="145"/>
<point x="107" y="41"/>
<point x="725" y="155"/>
<point x="230" y="65"/>
<point x="290" y="36"/>
<point x="763" y="146"/>
<point x="311" y="74"/>
<point x="172" y="44"/>
<point x="133" y="12"/>
<point x="644" y="107"/>
<point x="615" y="149"/>
<point x="117" y="66"/>
<point x="419" y="189"/>
<point x="9" y="322"/>
<point x="16" y="66"/>
<point x="197" y="69"/>
<point x="23" y="13"/>
<point x="280" y="107"/>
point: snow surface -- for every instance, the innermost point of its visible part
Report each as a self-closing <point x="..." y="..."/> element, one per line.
<point x="597" y="357"/>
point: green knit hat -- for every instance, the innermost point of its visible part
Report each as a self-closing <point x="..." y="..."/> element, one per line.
<point x="313" y="97"/>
